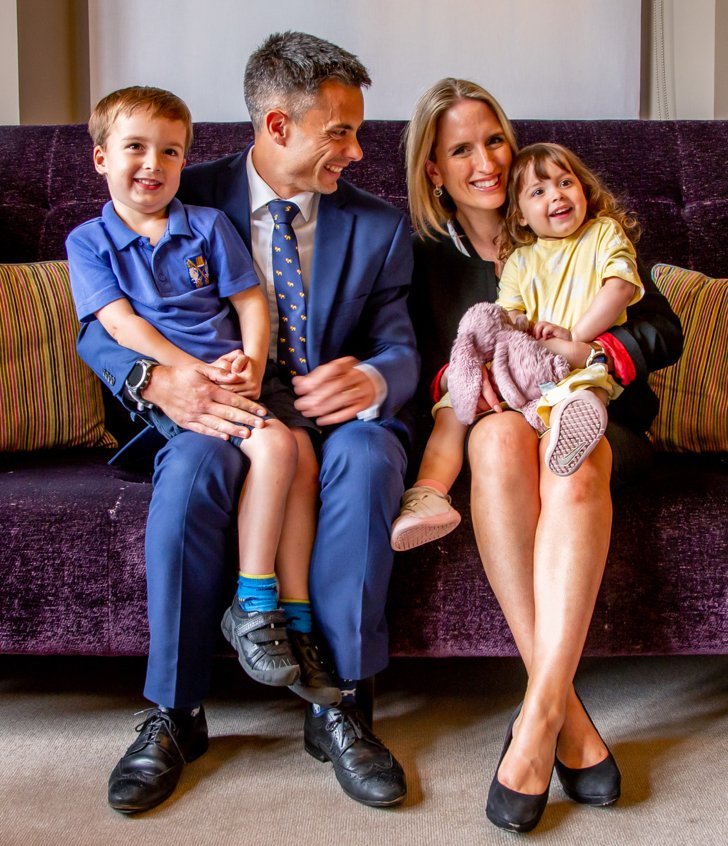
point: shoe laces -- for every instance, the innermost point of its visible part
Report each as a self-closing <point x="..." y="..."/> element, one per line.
<point x="156" y="722"/>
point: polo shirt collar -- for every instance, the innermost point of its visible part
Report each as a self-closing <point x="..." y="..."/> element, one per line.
<point x="122" y="236"/>
<point x="261" y="193"/>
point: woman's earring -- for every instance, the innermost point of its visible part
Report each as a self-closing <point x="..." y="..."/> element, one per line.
<point x="437" y="191"/>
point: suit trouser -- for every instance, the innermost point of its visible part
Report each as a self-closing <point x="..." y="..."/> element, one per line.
<point x="191" y="559"/>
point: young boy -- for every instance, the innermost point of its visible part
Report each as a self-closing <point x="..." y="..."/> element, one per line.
<point x="176" y="284"/>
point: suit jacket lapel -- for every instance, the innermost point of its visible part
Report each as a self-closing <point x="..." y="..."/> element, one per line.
<point x="232" y="195"/>
<point x="333" y="231"/>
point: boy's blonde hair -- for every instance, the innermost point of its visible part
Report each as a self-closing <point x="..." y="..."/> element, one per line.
<point x="599" y="199"/>
<point x="429" y="214"/>
<point x="126" y="101"/>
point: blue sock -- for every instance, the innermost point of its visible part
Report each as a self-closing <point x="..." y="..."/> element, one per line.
<point x="257" y="593"/>
<point x="298" y="614"/>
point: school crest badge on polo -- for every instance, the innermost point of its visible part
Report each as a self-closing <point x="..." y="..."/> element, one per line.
<point x="197" y="271"/>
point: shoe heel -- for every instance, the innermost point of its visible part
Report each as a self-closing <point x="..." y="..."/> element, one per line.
<point x="315" y="752"/>
<point x="197" y="751"/>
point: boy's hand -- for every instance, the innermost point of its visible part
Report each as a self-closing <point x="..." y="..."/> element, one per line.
<point x="543" y="330"/>
<point x="195" y="397"/>
<point x="247" y="381"/>
<point x="232" y="362"/>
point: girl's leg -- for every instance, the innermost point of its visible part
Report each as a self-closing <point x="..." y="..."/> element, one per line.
<point x="426" y="513"/>
<point x="443" y="457"/>
<point x="543" y="540"/>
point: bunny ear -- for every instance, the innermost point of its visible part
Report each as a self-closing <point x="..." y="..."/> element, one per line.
<point x="464" y="377"/>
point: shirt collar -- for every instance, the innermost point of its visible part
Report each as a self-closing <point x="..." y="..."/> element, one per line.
<point x="122" y="236"/>
<point x="261" y="193"/>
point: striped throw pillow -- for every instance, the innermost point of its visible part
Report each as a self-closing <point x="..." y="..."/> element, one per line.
<point x="48" y="396"/>
<point x="693" y="392"/>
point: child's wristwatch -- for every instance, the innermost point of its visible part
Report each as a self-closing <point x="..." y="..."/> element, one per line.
<point x="597" y="355"/>
<point x="137" y="380"/>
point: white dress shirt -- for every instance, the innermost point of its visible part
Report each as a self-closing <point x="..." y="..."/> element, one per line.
<point x="304" y="225"/>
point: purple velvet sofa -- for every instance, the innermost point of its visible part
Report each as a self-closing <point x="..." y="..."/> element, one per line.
<point x="72" y="559"/>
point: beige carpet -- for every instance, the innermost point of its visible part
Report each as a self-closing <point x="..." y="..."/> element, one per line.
<point x="64" y="723"/>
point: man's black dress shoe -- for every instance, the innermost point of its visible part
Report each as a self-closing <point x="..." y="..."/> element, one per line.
<point x="598" y="785"/>
<point x="508" y="808"/>
<point x="315" y="684"/>
<point x="364" y="767"/>
<point x="150" y="769"/>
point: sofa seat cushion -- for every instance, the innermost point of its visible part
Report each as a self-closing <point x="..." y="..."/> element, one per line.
<point x="665" y="587"/>
<point x="72" y="557"/>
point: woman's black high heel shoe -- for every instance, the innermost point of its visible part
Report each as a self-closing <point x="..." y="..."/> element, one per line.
<point x="509" y="809"/>
<point x="597" y="785"/>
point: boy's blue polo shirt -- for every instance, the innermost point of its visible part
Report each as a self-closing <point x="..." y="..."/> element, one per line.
<point x="178" y="285"/>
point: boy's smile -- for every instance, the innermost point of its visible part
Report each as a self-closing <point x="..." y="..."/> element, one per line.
<point x="142" y="160"/>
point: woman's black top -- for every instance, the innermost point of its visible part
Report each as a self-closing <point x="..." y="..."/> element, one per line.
<point x="446" y="283"/>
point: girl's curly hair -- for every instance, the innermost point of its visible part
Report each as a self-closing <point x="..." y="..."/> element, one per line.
<point x="600" y="201"/>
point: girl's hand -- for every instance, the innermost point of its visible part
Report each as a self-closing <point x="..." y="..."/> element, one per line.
<point x="543" y="330"/>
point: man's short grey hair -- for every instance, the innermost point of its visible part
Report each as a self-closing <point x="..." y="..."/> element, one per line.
<point x="288" y="69"/>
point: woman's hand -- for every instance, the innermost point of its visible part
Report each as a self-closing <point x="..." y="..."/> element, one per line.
<point x="489" y="399"/>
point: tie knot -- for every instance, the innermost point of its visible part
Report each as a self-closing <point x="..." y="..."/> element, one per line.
<point x="283" y="211"/>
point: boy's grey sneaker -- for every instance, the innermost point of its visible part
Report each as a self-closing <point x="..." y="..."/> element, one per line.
<point x="426" y="515"/>
<point x="261" y="641"/>
<point x="315" y="683"/>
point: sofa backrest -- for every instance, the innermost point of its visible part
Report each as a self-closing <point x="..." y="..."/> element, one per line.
<point x="674" y="175"/>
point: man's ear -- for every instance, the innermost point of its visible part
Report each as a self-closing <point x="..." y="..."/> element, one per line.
<point x="99" y="159"/>
<point x="276" y="124"/>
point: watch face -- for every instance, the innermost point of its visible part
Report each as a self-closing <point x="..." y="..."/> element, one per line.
<point x="136" y="374"/>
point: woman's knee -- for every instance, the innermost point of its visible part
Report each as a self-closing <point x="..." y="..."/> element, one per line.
<point x="590" y="481"/>
<point x="503" y="445"/>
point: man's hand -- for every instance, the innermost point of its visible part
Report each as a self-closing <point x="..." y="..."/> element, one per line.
<point x="334" y="392"/>
<point x="195" y="397"/>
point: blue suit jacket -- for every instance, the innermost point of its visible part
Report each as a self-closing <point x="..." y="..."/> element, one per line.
<point x="361" y="272"/>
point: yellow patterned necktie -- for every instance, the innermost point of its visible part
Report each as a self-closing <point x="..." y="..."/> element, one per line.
<point x="290" y="296"/>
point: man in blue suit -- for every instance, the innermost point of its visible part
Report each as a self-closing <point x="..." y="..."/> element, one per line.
<point x="305" y="101"/>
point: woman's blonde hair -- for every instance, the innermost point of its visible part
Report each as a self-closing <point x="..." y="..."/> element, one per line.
<point x="599" y="199"/>
<point x="429" y="214"/>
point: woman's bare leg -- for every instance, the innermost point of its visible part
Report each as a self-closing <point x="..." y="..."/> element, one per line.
<point x="545" y="564"/>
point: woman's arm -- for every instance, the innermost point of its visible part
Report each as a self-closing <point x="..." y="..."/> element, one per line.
<point x="652" y="336"/>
